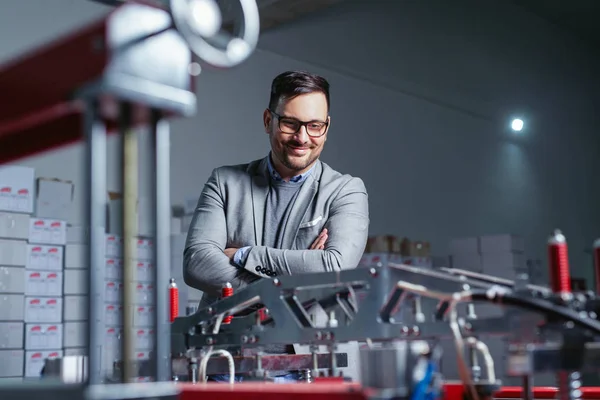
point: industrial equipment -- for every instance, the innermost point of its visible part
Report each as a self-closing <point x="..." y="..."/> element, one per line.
<point x="110" y="87"/>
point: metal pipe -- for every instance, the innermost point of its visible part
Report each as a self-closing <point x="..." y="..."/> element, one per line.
<point x="95" y="208"/>
<point x="161" y="206"/>
<point x="129" y="153"/>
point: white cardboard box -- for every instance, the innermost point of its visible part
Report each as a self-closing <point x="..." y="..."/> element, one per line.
<point x="74" y="334"/>
<point x="17" y="189"/>
<point x="13" y="252"/>
<point x="75" y="256"/>
<point x="40" y="310"/>
<point x="54" y="199"/>
<point x="11" y="335"/>
<point x="503" y="243"/>
<point x="75" y="282"/>
<point x="12" y="307"/>
<point x="43" y="336"/>
<point x="14" y="226"/>
<point x="12" y="280"/>
<point x="75" y="308"/>
<point x="47" y="231"/>
<point x="45" y="257"/>
<point x="465" y="245"/>
<point x="113" y="314"/>
<point x="43" y="283"/>
<point x="11" y="363"/>
<point x="34" y="361"/>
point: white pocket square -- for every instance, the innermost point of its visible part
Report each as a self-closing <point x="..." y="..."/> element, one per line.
<point x="311" y="223"/>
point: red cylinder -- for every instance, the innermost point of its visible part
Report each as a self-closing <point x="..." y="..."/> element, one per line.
<point x="558" y="263"/>
<point x="227" y="291"/>
<point x="596" y="251"/>
<point x="173" y="300"/>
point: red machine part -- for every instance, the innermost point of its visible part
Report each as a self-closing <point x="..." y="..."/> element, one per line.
<point x="173" y="300"/>
<point x="227" y="291"/>
<point x="558" y="263"/>
<point x="341" y="391"/>
<point x="597" y="263"/>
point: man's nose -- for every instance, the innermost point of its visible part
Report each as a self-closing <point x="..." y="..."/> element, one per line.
<point x="302" y="134"/>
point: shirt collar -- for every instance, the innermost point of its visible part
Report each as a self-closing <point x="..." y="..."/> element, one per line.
<point x="276" y="177"/>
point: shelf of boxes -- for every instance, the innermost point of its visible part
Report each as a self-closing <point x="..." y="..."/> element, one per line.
<point x="384" y="249"/>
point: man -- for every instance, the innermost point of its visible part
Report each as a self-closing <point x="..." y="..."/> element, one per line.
<point x="286" y="214"/>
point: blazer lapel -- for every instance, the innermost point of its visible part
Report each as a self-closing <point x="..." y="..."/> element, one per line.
<point x="260" y="190"/>
<point x="305" y="197"/>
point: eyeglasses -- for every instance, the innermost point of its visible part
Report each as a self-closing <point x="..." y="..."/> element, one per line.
<point x="292" y="126"/>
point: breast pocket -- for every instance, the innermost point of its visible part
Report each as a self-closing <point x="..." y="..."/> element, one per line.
<point x="308" y="232"/>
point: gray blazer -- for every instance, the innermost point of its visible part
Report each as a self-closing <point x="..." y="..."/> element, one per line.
<point x="230" y="213"/>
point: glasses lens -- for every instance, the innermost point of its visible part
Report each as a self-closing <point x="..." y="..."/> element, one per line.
<point x="316" y="128"/>
<point x="289" y="125"/>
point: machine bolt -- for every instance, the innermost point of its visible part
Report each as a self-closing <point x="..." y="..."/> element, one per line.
<point x="210" y="310"/>
<point x="244" y="339"/>
<point x="210" y="341"/>
<point x="253" y="339"/>
<point x="404" y="330"/>
<point x="276" y="282"/>
<point x="373" y="272"/>
<point x="318" y="335"/>
<point x="466" y="287"/>
<point x="416" y="331"/>
<point x="329" y="336"/>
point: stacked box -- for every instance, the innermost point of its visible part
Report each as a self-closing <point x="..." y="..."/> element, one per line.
<point x="385" y="249"/>
<point x="43" y="293"/>
<point x="17" y="188"/>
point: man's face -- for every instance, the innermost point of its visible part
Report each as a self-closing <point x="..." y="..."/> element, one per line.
<point x="297" y="152"/>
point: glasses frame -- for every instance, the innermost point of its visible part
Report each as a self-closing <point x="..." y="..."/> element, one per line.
<point x="301" y="124"/>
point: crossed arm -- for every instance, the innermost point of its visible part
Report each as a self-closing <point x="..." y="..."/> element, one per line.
<point x="207" y="260"/>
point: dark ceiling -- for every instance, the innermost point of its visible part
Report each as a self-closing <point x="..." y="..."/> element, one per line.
<point x="580" y="17"/>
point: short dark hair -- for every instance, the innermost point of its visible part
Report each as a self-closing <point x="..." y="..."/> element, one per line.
<point x="290" y="84"/>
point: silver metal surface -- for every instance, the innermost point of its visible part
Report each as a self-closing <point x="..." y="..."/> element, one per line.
<point x="95" y="203"/>
<point x="160" y="137"/>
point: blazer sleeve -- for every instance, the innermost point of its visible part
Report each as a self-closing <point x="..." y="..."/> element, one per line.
<point x="205" y="265"/>
<point x="348" y="229"/>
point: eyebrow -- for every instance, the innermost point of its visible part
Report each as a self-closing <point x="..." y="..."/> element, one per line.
<point x="298" y="119"/>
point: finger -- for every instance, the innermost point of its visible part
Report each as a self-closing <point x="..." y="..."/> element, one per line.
<point x="324" y="238"/>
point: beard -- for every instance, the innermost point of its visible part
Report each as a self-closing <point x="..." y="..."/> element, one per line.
<point x="294" y="162"/>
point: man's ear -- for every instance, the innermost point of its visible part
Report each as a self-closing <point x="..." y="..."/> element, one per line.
<point x="267" y="118"/>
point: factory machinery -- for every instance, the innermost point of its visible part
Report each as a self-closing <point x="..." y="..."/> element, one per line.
<point x="132" y="69"/>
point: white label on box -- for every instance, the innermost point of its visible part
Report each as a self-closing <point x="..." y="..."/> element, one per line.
<point x="34" y="361"/>
<point x="113" y="314"/>
<point x="143" y="293"/>
<point x="113" y="292"/>
<point x="43" y="309"/>
<point x="114" y="269"/>
<point x="40" y="257"/>
<point x="143" y="316"/>
<point x="145" y="272"/>
<point x="144" y="339"/>
<point x="43" y="337"/>
<point x="17" y="188"/>
<point x="47" y="231"/>
<point x="44" y="283"/>
<point x="114" y="246"/>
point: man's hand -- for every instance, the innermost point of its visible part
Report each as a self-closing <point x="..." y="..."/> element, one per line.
<point x="319" y="243"/>
<point x="230" y="252"/>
